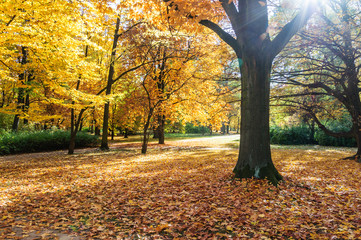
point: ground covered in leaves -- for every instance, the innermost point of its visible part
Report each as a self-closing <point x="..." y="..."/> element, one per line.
<point x="182" y="190"/>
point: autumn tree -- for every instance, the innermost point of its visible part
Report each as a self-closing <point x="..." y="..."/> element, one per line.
<point x="42" y="55"/>
<point x="164" y="77"/>
<point x="324" y="78"/>
<point x="255" y="50"/>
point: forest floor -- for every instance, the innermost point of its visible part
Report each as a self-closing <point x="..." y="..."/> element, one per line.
<point x="183" y="189"/>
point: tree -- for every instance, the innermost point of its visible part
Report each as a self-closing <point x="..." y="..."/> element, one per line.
<point x="41" y="55"/>
<point x="255" y="52"/>
<point x="326" y="76"/>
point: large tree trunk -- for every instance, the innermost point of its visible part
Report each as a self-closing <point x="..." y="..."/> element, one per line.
<point x="254" y="158"/>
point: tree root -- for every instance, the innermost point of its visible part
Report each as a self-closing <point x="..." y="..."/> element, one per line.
<point x="269" y="172"/>
<point x="356" y="157"/>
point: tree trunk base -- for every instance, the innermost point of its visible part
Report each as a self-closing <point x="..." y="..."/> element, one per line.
<point x="356" y="157"/>
<point x="268" y="172"/>
<point x="104" y="147"/>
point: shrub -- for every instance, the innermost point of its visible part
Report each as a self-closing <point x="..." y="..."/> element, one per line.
<point x="25" y="142"/>
<point x="294" y="135"/>
<point x="190" y="128"/>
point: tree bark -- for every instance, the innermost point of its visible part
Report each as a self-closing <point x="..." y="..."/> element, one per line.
<point x="254" y="158"/>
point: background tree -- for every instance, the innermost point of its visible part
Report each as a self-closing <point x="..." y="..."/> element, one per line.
<point x="324" y="78"/>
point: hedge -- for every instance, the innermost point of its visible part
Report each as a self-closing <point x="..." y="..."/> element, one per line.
<point x="25" y="142"/>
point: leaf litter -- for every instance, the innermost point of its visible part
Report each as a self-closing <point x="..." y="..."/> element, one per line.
<point x="181" y="191"/>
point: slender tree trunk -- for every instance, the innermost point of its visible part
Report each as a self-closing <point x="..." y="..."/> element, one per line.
<point x="16" y="122"/>
<point x="126" y="131"/>
<point x="97" y="130"/>
<point x="238" y="123"/>
<point x="145" y="132"/>
<point x="358" y="141"/>
<point x="145" y="140"/>
<point x="254" y="158"/>
<point x="104" y="144"/>
<point x="26" y="107"/>
<point x="156" y="133"/>
<point x="27" y="98"/>
<point x="313" y="130"/>
<point x="161" y="129"/>
<point x="72" y="133"/>
<point x="81" y="124"/>
<point x="112" y="132"/>
<point x="75" y="124"/>
<point x="21" y="91"/>
<point x="223" y="129"/>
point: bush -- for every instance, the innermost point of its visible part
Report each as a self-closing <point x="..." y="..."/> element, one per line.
<point x="190" y="128"/>
<point x="26" y="142"/>
<point x="294" y="135"/>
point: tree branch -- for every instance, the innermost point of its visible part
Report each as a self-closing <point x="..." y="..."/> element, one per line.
<point x="290" y="29"/>
<point x="226" y="37"/>
<point x="12" y="19"/>
<point x="327" y="131"/>
<point x="231" y="12"/>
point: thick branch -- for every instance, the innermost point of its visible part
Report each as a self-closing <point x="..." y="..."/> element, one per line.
<point x="299" y="95"/>
<point x="231" y="12"/>
<point x="327" y="131"/>
<point x="226" y="37"/>
<point x="290" y="29"/>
